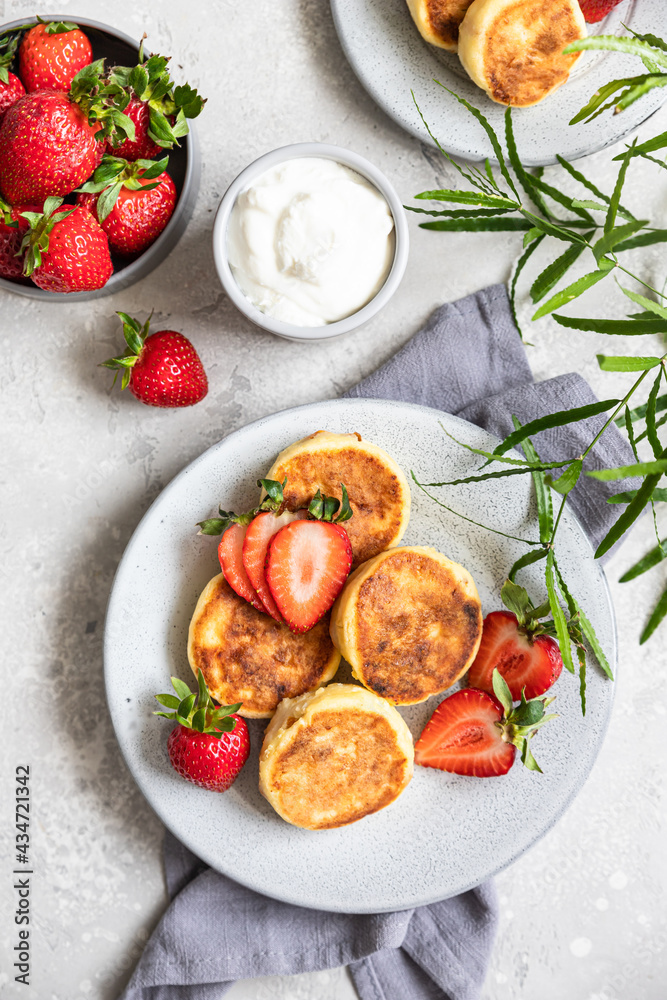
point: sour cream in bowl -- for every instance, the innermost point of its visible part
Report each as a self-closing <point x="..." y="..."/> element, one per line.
<point x="310" y="241"/>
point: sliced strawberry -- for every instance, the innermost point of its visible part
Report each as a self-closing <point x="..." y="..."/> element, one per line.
<point x="525" y="661"/>
<point x="230" y="554"/>
<point x="463" y="737"/>
<point x="307" y="565"/>
<point x="258" y="534"/>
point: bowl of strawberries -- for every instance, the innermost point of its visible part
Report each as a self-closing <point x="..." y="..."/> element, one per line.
<point x="99" y="165"/>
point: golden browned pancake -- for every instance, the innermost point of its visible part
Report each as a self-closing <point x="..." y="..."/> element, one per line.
<point x="378" y="490"/>
<point x="513" y="49"/>
<point x="438" y="20"/>
<point x="334" y="756"/>
<point x="409" y="622"/>
<point x="246" y="656"/>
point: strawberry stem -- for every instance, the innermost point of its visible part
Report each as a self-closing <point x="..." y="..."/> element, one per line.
<point x="197" y="710"/>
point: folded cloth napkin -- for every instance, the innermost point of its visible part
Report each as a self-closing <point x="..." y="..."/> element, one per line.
<point x="468" y="360"/>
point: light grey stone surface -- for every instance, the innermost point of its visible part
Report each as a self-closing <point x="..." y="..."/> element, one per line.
<point x="582" y="913"/>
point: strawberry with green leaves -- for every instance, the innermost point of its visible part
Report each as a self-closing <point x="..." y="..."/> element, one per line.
<point x="11" y="88"/>
<point x="132" y="201"/>
<point x="51" y="141"/>
<point x="210" y="744"/>
<point x="519" y="645"/>
<point x="13" y="227"/>
<point x="290" y="564"/>
<point x="475" y="734"/>
<point x="65" y="249"/>
<point x="162" y="369"/>
<point x="51" y="55"/>
<point x="158" y="109"/>
<point x="244" y="543"/>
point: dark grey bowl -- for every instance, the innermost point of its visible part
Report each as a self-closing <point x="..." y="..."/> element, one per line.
<point x="184" y="167"/>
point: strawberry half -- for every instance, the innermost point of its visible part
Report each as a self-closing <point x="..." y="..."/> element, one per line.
<point x="307" y="565"/>
<point x="317" y="577"/>
<point x="530" y="662"/>
<point x="230" y="554"/>
<point x="210" y="744"/>
<point x="471" y="733"/>
<point x="258" y="534"/>
<point x="596" y="10"/>
<point x="520" y="646"/>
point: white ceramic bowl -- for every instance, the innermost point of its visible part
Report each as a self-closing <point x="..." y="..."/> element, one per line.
<point x="251" y="173"/>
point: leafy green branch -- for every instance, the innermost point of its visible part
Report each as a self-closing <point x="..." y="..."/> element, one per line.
<point x="514" y="198"/>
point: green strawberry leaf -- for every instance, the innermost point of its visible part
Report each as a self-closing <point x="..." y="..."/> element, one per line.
<point x="168" y="700"/>
<point x="180" y="687"/>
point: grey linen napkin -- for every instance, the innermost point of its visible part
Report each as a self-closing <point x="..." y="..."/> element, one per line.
<point x="470" y="361"/>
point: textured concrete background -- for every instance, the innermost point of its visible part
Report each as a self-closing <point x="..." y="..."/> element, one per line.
<point x="581" y="914"/>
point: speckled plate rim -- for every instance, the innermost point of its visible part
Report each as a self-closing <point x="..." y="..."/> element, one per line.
<point x="148" y="787"/>
<point x="541" y="132"/>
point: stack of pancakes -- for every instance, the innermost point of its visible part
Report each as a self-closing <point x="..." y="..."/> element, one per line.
<point x="512" y="49"/>
<point x="408" y="621"/>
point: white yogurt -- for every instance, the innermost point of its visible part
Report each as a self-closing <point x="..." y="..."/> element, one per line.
<point x="310" y="241"/>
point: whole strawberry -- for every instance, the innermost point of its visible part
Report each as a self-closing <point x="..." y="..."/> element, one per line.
<point x="142" y="147"/>
<point x="161" y="370"/>
<point x="210" y="744"/>
<point x="133" y="202"/>
<point x="66" y="250"/>
<point x="51" y="141"/>
<point x="13" y="227"/>
<point x="11" y="88"/>
<point x="596" y="10"/>
<point x="158" y="109"/>
<point x="51" y="55"/>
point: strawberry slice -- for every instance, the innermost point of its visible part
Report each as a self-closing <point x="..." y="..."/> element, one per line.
<point x="526" y="661"/>
<point x="462" y="736"/>
<point x="230" y="554"/>
<point x="258" y="534"/>
<point x="307" y="565"/>
<point x="472" y="733"/>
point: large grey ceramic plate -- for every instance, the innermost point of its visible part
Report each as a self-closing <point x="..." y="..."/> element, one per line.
<point x="445" y="833"/>
<point x="391" y="59"/>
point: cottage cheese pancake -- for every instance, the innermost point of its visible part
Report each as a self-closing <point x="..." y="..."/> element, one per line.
<point x="438" y="20"/>
<point x="332" y="757"/>
<point x="378" y="490"/>
<point x="409" y="622"/>
<point x="246" y="656"/>
<point x="513" y="49"/>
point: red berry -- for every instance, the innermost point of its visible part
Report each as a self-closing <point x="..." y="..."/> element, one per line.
<point x="77" y="258"/>
<point x="50" y="60"/>
<point x="11" y="265"/>
<point x="161" y="370"/>
<point x="138" y="217"/>
<point x="596" y="10"/>
<point x="47" y="147"/>
<point x="463" y="737"/>
<point x="142" y="147"/>
<point x="230" y="555"/>
<point x="258" y="535"/>
<point x="168" y="372"/>
<point x="306" y="567"/>
<point x="10" y="93"/>
<point x="206" y="760"/>
<point x="525" y="661"/>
